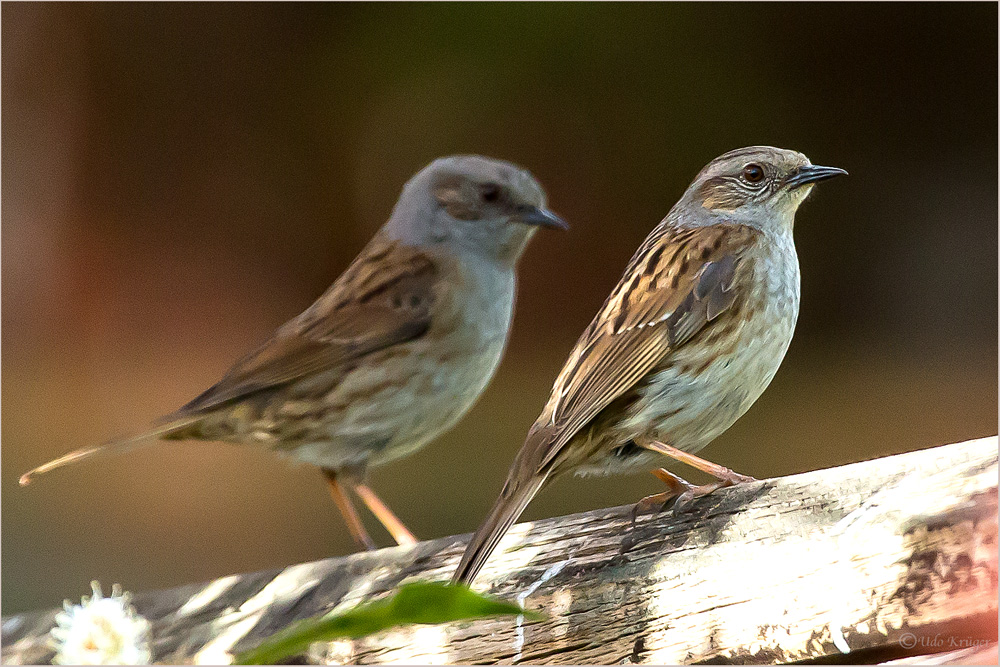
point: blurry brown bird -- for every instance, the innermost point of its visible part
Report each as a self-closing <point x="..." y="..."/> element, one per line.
<point x="395" y="351"/>
<point x="687" y="341"/>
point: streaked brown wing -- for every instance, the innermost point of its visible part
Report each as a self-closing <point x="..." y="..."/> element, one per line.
<point x="677" y="282"/>
<point x="384" y="298"/>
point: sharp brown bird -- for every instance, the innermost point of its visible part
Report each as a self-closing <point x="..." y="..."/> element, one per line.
<point x="683" y="346"/>
<point x="394" y="353"/>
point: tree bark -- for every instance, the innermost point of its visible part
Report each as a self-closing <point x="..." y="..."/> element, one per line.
<point x="864" y="563"/>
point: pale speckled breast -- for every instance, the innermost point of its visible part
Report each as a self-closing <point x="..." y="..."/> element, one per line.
<point x="698" y="393"/>
<point x="465" y="347"/>
<point x="411" y="394"/>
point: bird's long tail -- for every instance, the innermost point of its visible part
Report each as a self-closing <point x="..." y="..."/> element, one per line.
<point x="515" y="497"/>
<point x="111" y="447"/>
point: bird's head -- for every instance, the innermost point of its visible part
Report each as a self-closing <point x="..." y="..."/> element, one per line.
<point x="758" y="185"/>
<point x="486" y="206"/>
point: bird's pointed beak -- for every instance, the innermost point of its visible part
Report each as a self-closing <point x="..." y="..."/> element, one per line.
<point x="539" y="217"/>
<point x="812" y="173"/>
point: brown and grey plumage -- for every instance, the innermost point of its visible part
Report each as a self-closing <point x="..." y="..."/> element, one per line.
<point x="683" y="346"/>
<point x="395" y="351"/>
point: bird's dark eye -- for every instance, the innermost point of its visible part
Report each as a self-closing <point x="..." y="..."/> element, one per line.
<point x="753" y="173"/>
<point x="490" y="192"/>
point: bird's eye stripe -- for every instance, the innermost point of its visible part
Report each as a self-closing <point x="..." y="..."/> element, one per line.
<point x="742" y="184"/>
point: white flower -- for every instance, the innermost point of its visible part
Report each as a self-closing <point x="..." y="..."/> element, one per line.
<point x="101" y="631"/>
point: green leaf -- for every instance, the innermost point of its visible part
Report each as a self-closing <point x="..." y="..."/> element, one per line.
<point x="422" y="603"/>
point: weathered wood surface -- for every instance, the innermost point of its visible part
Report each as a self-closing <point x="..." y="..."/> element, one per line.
<point x="867" y="562"/>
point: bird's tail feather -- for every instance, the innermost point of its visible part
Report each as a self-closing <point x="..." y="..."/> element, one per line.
<point x="506" y="510"/>
<point x="111" y="447"/>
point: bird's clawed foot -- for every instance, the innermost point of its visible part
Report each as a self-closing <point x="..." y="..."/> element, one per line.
<point x="726" y="477"/>
<point x="684" y="493"/>
<point x="657" y="502"/>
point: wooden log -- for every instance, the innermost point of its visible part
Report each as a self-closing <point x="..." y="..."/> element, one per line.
<point x="863" y="563"/>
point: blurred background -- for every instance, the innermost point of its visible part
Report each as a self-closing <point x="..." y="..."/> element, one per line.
<point x="179" y="180"/>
